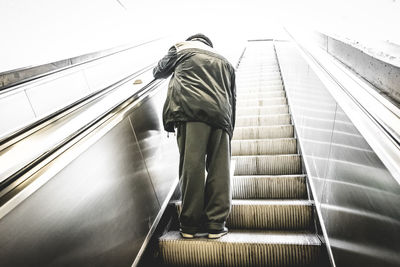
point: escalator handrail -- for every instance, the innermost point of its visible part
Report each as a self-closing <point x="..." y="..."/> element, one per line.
<point x="112" y="52"/>
<point x="15" y="136"/>
<point x="136" y="97"/>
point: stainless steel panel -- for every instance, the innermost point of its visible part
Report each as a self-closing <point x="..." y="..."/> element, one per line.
<point x="159" y="151"/>
<point x="15" y="110"/>
<point x="95" y="212"/>
<point x="111" y="69"/>
<point x="52" y="95"/>
<point x="358" y="198"/>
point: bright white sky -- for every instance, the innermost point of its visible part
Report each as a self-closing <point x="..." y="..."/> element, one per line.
<point x="41" y="31"/>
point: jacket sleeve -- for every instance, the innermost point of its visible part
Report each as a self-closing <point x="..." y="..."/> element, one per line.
<point x="166" y="65"/>
<point x="233" y="89"/>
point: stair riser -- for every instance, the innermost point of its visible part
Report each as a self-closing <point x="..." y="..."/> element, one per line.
<point x="246" y="96"/>
<point x="284" y="131"/>
<point x="266" y="77"/>
<point x="251" y="75"/>
<point x="268" y="217"/>
<point x="264" y="147"/>
<point x="259" y="89"/>
<point x="271" y="217"/>
<point x="263" y="121"/>
<point x="262" y="111"/>
<point x="248" y="84"/>
<point x="210" y="254"/>
<point x="244" y="187"/>
<point x="267" y="165"/>
<point x="261" y="102"/>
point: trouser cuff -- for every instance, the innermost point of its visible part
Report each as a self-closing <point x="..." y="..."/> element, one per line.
<point x="215" y="226"/>
<point x="190" y="229"/>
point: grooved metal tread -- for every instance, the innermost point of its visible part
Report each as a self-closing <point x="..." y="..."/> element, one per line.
<point x="267" y="164"/>
<point x="242" y="248"/>
<point x="256" y="95"/>
<point x="264" y="146"/>
<point x="254" y="111"/>
<point x="264" y="78"/>
<point x="262" y="101"/>
<point x="261" y="132"/>
<point x="265" y="120"/>
<point x="269" y="214"/>
<point x="269" y="186"/>
<point x="253" y="236"/>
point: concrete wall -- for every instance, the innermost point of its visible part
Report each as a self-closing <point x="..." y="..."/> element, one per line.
<point x="382" y="74"/>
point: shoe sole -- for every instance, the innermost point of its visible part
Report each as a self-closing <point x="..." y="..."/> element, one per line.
<point x="187" y="236"/>
<point x="216" y="236"/>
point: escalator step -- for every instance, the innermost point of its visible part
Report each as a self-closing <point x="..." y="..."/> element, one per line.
<point x="269" y="214"/>
<point x="242" y="248"/>
<point x="264" y="132"/>
<point x="246" y="84"/>
<point x="261" y="102"/>
<point x="267" y="76"/>
<point x="275" y="187"/>
<point x="277" y="93"/>
<point x="259" y="88"/>
<point x="264" y="146"/>
<point x="268" y="165"/>
<point x="248" y="111"/>
<point x="278" y="119"/>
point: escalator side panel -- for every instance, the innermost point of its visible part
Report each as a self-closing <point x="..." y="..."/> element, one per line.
<point x="355" y="193"/>
<point x="161" y="154"/>
<point x="98" y="210"/>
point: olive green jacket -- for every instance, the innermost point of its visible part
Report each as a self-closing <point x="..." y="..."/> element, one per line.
<point x="202" y="87"/>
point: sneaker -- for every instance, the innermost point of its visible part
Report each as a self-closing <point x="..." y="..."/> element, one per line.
<point x="186" y="235"/>
<point x="214" y="234"/>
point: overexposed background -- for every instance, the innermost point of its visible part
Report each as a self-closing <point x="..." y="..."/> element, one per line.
<point x="43" y="31"/>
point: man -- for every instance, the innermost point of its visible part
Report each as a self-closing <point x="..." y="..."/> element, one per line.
<point x="201" y="104"/>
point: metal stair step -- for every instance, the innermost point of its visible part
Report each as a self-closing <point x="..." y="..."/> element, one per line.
<point x="263" y="132"/>
<point x="248" y="111"/>
<point x="241" y="84"/>
<point x="259" y="74"/>
<point x="278" y="119"/>
<point x="261" y="102"/>
<point x="268" y="165"/>
<point x="277" y="93"/>
<point x="269" y="214"/>
<point x="264" y="147"/>
<point x="264" y="77"/>
<point x="259" y="88"/>
<point x="269" y="186"/>
<point x="242" y="248"/>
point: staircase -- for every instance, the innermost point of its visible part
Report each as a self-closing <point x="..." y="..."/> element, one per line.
<point x="271" y="222"/>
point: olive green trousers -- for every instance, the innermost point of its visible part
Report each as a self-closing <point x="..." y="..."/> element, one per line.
<point x="206" y="200"/>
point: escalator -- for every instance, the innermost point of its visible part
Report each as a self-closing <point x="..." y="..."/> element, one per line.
<point x="306" y="186"/>
<point x="272" y="217"/>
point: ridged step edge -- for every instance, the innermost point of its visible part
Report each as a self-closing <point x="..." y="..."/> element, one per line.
<point x="264" y="146"/>
<point x="272" y="186"/>
<point x="261" y="102"/>
<point x="269" y="214"/>
<point x="269" y="165"/>
<point x="276" y="93"/>
<point x="266" y="120"/>
<point x="263" y="132"/>
<point x="260" y="111"/>
<point x="243" y="248"/>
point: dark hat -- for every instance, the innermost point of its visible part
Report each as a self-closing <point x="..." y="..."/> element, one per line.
<point x="202" y="38"/>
